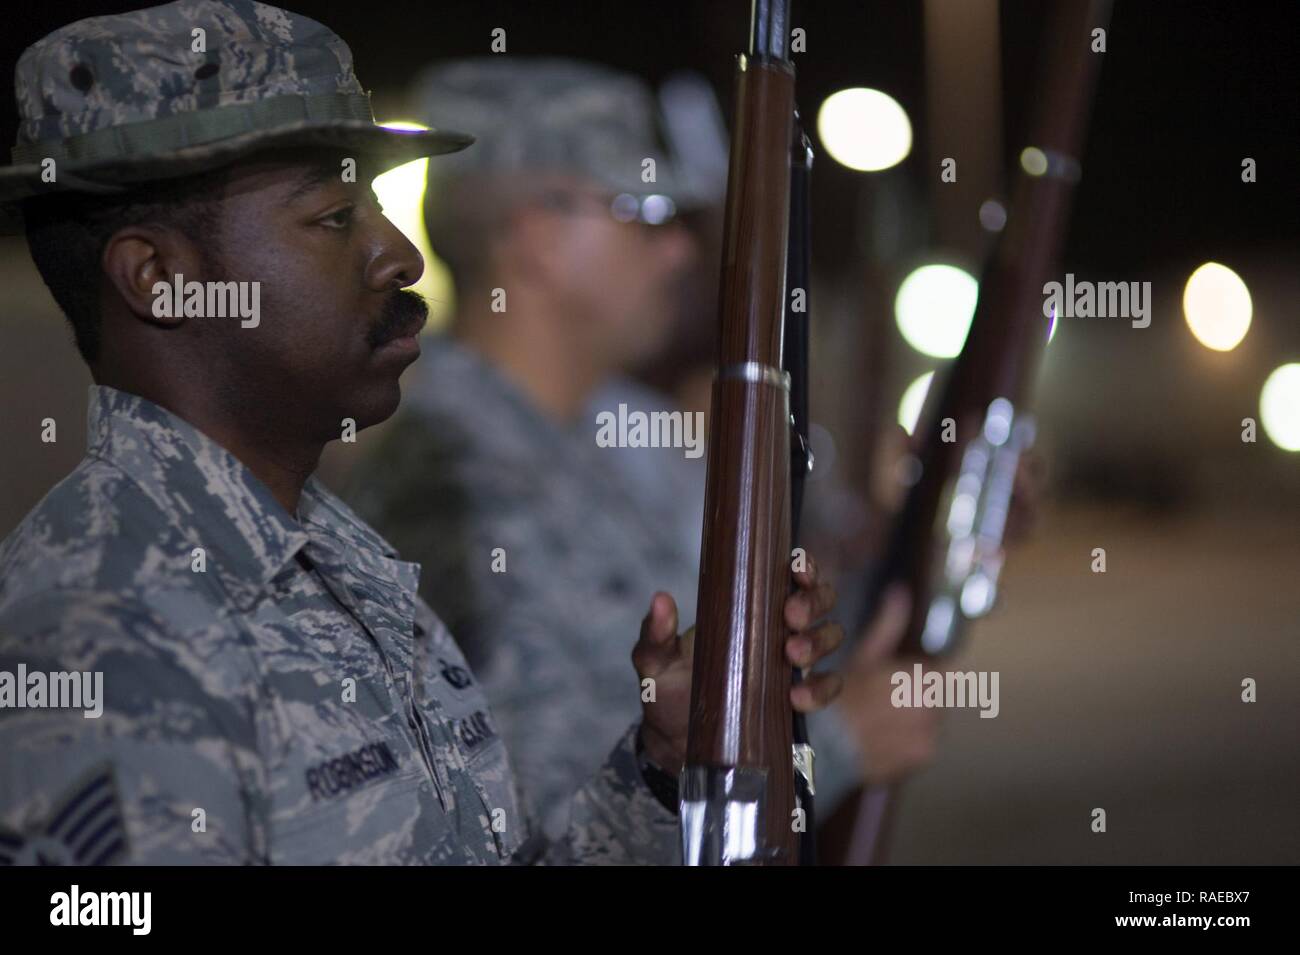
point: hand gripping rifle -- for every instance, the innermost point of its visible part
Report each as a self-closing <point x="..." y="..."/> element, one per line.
<point x="746" y="786"/>
<point x="947" y="540"/>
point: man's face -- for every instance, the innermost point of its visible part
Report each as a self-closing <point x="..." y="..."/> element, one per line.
<point x="620" y="279"/>
<point x="335" y="331"/>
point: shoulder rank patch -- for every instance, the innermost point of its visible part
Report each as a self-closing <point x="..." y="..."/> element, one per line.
<point x="87" y="827"/>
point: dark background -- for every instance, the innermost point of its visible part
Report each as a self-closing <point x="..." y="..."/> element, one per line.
<point x="1185" y="86"/>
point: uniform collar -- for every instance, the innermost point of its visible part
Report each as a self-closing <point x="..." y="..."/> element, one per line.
<point x="212" y="497"/>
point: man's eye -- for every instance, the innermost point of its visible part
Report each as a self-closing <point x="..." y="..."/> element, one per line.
<point x="339" y="219"/>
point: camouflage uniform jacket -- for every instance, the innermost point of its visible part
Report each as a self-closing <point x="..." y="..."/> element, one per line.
<point x="281" y="676"/>
<point x="537" y="552"/>
<point x="586" y="535"/>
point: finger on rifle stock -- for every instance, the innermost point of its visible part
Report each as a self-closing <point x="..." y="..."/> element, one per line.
<point x="816" y="691"/>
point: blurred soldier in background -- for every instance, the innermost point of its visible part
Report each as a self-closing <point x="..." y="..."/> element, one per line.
<point x="538" y="542"/>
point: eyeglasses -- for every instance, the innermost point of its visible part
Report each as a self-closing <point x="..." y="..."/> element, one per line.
<point x="654" y="209"/>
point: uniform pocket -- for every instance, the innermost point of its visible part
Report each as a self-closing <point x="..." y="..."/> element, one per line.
<point x="373" y="823"/>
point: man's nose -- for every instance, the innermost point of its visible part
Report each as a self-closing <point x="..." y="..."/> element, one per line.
<point x="397" y="263"/>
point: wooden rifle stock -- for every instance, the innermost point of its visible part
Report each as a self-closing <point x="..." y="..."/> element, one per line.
<point x="738" y="787"/>
<point x="947" y="540"/>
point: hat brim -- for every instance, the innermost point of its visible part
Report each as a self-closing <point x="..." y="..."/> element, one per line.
<point x="387" y="147"/>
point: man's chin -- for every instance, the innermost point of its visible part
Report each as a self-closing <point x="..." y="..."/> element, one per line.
<point x="378" y="404"/>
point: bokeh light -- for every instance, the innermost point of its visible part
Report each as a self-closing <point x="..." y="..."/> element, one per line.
<point x="1279" y="407"/>
<point x="913" y="400"/>
<point x="401" y="193"/>
<point x="993" y="215"/>
<point x="864" y="129"/>
<point x="1033" y="160"/>
<point x="1216" y="304"/>
<point x="934" y="308"/>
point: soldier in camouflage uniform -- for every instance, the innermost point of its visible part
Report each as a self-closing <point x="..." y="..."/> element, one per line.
<point x="538" y="544"/>
<point x="274" y="690"/>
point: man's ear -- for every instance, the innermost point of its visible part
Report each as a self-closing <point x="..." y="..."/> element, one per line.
<point x="142" y="262"/>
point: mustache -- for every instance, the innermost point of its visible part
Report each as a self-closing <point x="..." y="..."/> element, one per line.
<point x="404" y="313"/>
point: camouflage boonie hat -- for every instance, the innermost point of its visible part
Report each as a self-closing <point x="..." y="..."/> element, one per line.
<point x="536" y="114"/>
<point x="185" y="87"/>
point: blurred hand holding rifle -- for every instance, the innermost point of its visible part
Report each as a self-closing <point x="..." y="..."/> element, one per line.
<point x="946" y="548"/>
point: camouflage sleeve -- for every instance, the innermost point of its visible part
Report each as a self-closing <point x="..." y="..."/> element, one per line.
<point x="151" y="768"/>
<point x="616" y="820"/>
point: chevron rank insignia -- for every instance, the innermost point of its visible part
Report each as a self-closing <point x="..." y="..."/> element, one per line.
<point x="86" y="828"/>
